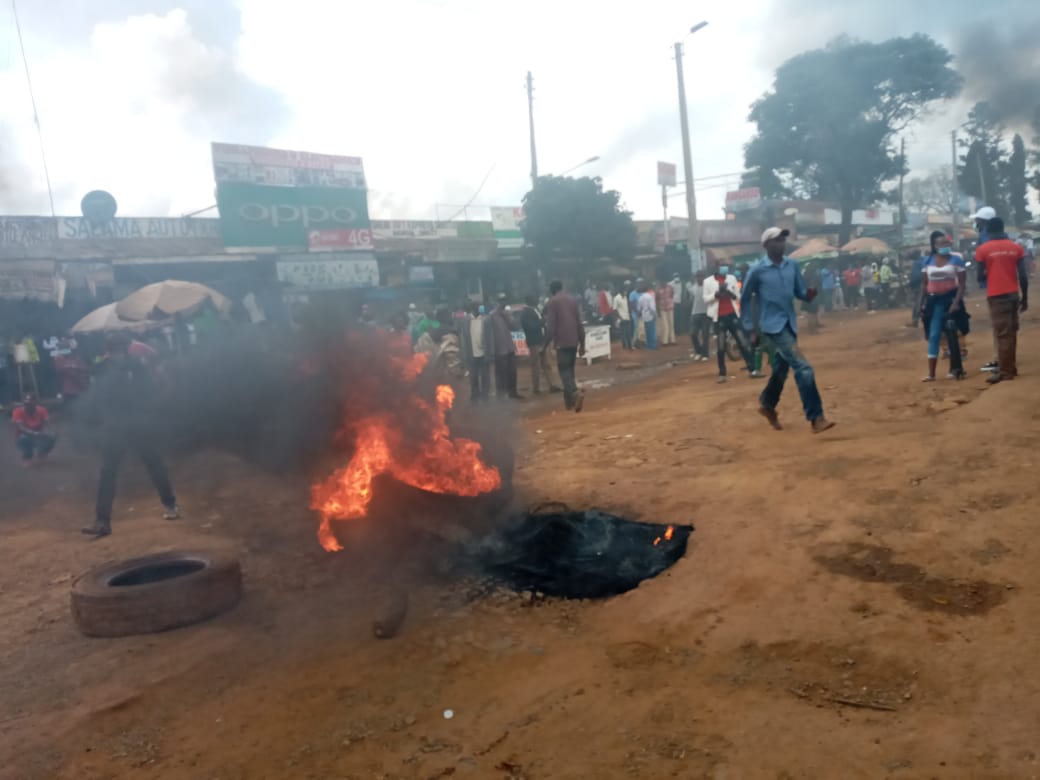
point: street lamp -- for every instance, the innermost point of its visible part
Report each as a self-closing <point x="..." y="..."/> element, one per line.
<point x="694" y="237"/>
<point x="583" y="162"/>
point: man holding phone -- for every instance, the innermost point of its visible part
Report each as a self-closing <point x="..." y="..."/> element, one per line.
<point x="777" y="281"/>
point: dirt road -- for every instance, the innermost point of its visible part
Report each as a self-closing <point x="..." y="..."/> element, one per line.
<point x="856" y="604"/>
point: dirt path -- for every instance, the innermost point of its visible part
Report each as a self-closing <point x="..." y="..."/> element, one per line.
<point x="858" y="604"/>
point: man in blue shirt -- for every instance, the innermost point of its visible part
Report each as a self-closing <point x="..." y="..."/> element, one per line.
<point x="827" y="282"/>
<point x="776" y="281"/>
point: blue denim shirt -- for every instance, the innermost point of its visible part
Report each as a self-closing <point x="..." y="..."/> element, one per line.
<point x="776" y="287"/>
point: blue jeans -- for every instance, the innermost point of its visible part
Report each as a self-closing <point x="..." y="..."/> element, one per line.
<point x="39" y="444"/>
<point x="940" y="306"/>
<point x="651" y="334"/>
<point x="786" y="356"/>
<point x="627" y="333"/>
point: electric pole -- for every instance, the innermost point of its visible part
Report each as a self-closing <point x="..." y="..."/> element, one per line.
<point x="902" y="173"/>
<point x="530" y="117"/>
<point x="694" y="235"/>
<point x="954" y="195"/>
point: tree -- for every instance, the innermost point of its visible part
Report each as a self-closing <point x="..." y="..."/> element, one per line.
<point x="568" y="217"/>
<point x="983" y="165"/>
<point x="1017" y="184"/>
<point x="826" y="128"/>
<point x="1035" y="154"/>
<point x="931" y="193"/>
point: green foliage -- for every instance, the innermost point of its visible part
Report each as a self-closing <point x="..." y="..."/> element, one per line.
<point x="575" y="218"/>
<point x="826" y="129"/>
<point x="1017" y="183"/>
<point x="982" y="166"/>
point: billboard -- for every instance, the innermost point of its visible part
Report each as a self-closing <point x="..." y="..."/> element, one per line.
<point x="506" y="224"/>
<point x="332" y="271"/>
<point x="666" y="174"/>
<point x="284" y="168"/>
<point x="747" y="199"/>
<point x="258" y="216"/>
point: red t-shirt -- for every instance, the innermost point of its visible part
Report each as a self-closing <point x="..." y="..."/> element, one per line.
<point x="34" y="421"/>
<point x="853" y="276"/>
<point x="725" y="302"/>
<point x="1000" y="257"/>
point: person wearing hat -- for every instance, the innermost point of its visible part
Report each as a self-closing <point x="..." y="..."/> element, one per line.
<point x="1001" y="262"/>
<point x="982" y="219"/>
<point x="776" y="281"/>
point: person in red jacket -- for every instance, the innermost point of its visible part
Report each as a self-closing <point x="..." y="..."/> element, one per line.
<point x="33" y="432"/>
<point x="1002" y="268"/>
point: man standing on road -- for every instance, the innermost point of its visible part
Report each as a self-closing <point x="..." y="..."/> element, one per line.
<point x="621" y="309"/>
<point x="666" y="315"/>
<point x="648" y="314"/>
<point x="700" y="324"/>
<point x="534" y="333"/>
<point x="720" y="295"/>
<point x="126" y="390"/>
<point x="504" y="350"/>
<point x="853" y="276"/>
<point x="476" y="350"/>
<point x="776" y="281"/>
<point x="564" y="330"/>
<point x="1001" y="265"/>
<point x="638" y="331"/>
<point x="827" y="284"/>
<point x="982" y="219"/>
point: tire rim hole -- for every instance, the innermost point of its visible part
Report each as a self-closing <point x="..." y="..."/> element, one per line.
<point x="155" y="572"/>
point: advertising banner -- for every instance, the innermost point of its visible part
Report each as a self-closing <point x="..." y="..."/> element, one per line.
<point x="665" y="174"/>
<point x="284" y="168"/>
<point x="256" y="216"/>
<point x="506" y="224"/>
<point x="330" y="271"/>
<point x="747" y="199"/>
<point x="597" y="343"/>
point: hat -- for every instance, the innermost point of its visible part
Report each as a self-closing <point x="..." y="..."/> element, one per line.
<point x="774" y="232"/>
<point x="411" y="307"/>
<point x="501" y="296"/>
<point x="986" y="212"/>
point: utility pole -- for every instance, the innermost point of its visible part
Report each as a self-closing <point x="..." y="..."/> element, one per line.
<point x="694" y="236"/>
<point x="664" y="203"/>
<point x="530" y="117"/>
<point x="902" y="172"/>
<point x="955" y="195"/>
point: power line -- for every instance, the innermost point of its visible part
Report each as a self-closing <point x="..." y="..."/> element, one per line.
<point x="32" y="99"/>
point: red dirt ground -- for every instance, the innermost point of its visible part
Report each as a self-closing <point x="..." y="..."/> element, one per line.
<point x="856" y="604"/>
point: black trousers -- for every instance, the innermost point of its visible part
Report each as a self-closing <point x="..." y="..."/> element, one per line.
<point x="505" y="375"/>
<point x="730" y="325"/>
<point x="479" y="379"/>
<point x="566" y="357"/>
<point x="700" y="329"/>
<point x="112" y="454"/>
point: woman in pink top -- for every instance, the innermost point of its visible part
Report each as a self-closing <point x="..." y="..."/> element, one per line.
<point x="942" y="291"/>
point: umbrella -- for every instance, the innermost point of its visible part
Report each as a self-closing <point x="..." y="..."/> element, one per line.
<point x="867" y="246"/>
<point x="816" y="249"/>
<point x="106" y="319"/>
<point x="164" y="299"/>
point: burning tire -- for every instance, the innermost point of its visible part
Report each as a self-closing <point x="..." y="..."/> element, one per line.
<point x="155" y="593"/>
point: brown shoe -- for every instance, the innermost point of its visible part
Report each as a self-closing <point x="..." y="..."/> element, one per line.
<point x="771" y="416"/>
<point x="821" y="424"/>
<point x="579" y="402"/>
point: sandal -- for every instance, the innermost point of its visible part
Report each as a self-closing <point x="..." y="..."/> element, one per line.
<point x="928" y="379"/>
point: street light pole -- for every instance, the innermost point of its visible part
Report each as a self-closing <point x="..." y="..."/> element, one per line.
<point x="579" y="165"/>
<point x="530" y="120"/>
<point x="693" y="241"/>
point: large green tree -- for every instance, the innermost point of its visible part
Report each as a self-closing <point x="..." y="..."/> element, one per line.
<point x="983" y="166"/>
<point x="932" y="193"/>
<point x="566" y="217"/>
<point x="1018" y="183"/>
<point x="827" y="127"/>
<point x="1034" y="155"/>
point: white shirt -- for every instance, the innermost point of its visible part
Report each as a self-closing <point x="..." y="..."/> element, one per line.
<point x="696" y="292"/>
<point x="711" y="287"/>
<point x="647" y="307"/>
<point x="621" y="306"/>
<point x="476" y="336"/>
<point x="676" y="286"/>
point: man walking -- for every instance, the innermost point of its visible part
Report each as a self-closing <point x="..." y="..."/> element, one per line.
<point x="775" y="282"/>
<point x="476" y="350"/>
<point x="624" y="316"/>
<point x="699" y="321"/>
<point x="502" y="326"/>
<point x="565" y="331"/>
<point x="638" y="331"/>
<point x="648" y="314"/>
<point x="720" y="293"/>
<point x="1002" y="267"/>
<point x="666" y="313"/>
<point x="126" y="389"/>
<point x="534" y="333"/>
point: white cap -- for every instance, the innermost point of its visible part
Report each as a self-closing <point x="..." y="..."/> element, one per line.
<point x="986" y="212"/>
<point x="774" y="232"/>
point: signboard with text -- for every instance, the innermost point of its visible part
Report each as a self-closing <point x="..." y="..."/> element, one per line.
<point x="747" y="199"/>
<point x="506" y="224"/>
<point x="666" y="174"/>
<point x="331" y="240"/>
<point x="77" y="228"/>
<point x="305" y="272"/>
<point x="284" y="168"/>
<point x="255" y="216"/>
<point x="597" y="343"/>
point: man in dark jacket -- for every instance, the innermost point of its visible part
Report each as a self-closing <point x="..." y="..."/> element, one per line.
<point x="534" y="334"/>
<point x="502" y="326"/>
<point x="475" y="335"/>
<point x="126" y="390"/>
<point x="564" y="329"/>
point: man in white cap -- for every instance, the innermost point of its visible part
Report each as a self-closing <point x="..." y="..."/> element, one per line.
<point x="982" y="219"/>
<point x="777" y="281"/>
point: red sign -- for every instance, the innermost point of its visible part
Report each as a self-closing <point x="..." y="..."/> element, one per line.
<point x="744" y="200"/>
<point x="331" y="240"/>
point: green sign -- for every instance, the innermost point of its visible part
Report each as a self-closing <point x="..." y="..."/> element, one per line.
<point x="266" y="216"/>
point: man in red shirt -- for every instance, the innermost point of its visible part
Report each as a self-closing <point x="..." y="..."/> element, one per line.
<point x="33" y="430"/>
<point x="853" y="278"/>
<point x="1001" y="266"/>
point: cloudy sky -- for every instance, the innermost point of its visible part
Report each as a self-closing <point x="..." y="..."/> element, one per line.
<point x="431" y="92"/>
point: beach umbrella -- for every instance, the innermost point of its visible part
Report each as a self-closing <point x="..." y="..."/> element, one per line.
<point x="165" y="299"/>
<point x="814" y="249"/>
<point x="105" y="319"/>
<point x="867" y="246"/>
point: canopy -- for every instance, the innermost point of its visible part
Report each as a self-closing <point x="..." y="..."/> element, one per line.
<point x="106" y="319"/>
<point x="164" y="299"/>
<point x="867" y="246"/>
<point x="814" y="249"/>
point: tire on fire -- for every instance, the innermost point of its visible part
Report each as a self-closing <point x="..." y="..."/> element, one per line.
<point x="155" y="593"/>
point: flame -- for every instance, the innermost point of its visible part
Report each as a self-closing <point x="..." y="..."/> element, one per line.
<point x="441" y="464"/>
<point x="669" y="532"/>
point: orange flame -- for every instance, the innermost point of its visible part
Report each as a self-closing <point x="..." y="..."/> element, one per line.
<point x="669" y="532"/>
<point x="441" y="464"/>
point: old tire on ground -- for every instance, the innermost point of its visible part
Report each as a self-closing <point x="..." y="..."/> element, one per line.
<point x="155" y="593"/>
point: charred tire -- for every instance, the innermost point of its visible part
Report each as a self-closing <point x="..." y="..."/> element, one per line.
<point x="155" y="593"/>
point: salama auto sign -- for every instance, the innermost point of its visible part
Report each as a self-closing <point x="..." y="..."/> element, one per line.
<point x="273" y="199"/>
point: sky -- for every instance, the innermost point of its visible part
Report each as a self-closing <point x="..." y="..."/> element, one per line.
<point x="430" y="93"/>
